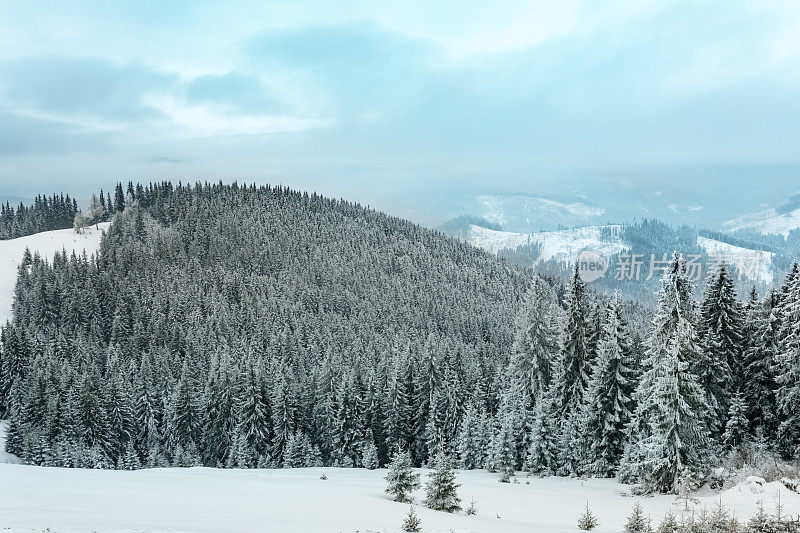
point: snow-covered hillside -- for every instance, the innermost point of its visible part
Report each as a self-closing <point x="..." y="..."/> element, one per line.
<point x="46" y="244"/>
<point x="754" y="265"/>
<point x="565" y="245"/>
<point x="534" y="213"/>
<point x="768" y="222"/>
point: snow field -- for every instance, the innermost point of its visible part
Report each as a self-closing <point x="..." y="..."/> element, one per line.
<point x="297" y="500"/>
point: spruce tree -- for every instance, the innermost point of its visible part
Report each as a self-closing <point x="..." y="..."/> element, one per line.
<point x="441" y="489"/>
<point x="369" y="455"/>
<point x="787" y="369"/>
<point x="411" y="522"/>
<point x="672" y="406"/>
<point x="542" y="453"/>
<point x="587" y="521"/>
<point x="471" y="442"/>
<point x="536" y="343"/>
<point x="609" y="403"/>
<point x="637" y="523"/>
<point x="401" y="478"/>
<point x="502" y="449"/>
<point x="719" y="365"/>
<point x="574" y="359"/>
<point x="762" y="345"/>
<point x="737" y="428"/>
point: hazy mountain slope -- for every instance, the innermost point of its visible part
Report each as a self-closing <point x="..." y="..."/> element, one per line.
<point x="753" y="265"/>
<point x="769" y="222"/>
<point x="563" y="246"/>
<point x="531" y="213"/>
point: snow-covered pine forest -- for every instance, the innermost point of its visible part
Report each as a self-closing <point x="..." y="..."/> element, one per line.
<point x="243" y="326"/>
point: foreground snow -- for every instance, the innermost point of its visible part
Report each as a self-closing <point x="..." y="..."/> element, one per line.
<point x="46" y="244"/>
<point x="294" y="500"/>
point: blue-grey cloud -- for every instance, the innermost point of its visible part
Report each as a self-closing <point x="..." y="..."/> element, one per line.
<point x="81" y="87"/>
<point x="360" y="66"/>
<point x="235" y="90"/>
<point x="354" y="94"/>
<point x="24" y="136"/>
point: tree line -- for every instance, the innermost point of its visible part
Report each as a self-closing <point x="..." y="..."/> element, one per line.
<point x="247" y="326"/>
<point x="45" y="214"/>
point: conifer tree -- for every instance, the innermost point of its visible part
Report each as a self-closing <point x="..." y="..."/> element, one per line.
<point x="575" y="357"/>
<point x="542" y="453"/>
<point x="536" y="343"/>
<point x="471" y="442"/>
<point x="637" y="523"/>
<point x="587" y="521"/>
<point x="441" y="489"/>
<point x="762" y="346"/>
<point x="411" y="522"/>
<point x="737" y="427"/>
<point x="252" y="415"/>
<point x="502" y="449"/>
<point x="609" y="403"/>
<point x="718" y="366"/>
<point x="369" y="454"/>
<point x="672" y="405"/>
<point x="184" y="416"/>
<point x="401" y="478"/>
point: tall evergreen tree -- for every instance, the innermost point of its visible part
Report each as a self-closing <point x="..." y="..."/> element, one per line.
<point x="609" y="403"/>
<point x="719" y="367"/>
<point x="787" y="369"/>
<point x="575" y="357"/>
<point x="672" y="405"/>
<point x="762" y="346"/>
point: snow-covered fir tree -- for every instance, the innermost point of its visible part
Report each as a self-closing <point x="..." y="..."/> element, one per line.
<point x="472" y="438"/>
<point x="573" y="375"/>
<point x="542" y="454"/>
<point x="441" y="490"/>
<point x="737" y="427"/>
<point x="719" y="364"/>
<point x="672" y="407"/>
<point x="787" y="368"/>
<point x="609" y="401"/>
<point x="401" y="478"/>
<point x="762" y="343"/>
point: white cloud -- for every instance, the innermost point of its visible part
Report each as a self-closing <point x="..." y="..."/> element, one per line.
<point x="207" y="120"/>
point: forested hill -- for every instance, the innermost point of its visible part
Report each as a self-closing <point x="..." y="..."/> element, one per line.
<point x="210" y="304"/>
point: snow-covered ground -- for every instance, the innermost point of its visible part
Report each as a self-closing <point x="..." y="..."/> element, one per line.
<point x="564" y="245"/>
<point x="768" y="222"/>
<point x="753" y="265"/>
<point x="297" y="500"/>
<point x="47" y="244"/>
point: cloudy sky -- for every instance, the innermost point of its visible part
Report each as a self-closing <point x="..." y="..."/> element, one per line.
<point x="368" y="99"/>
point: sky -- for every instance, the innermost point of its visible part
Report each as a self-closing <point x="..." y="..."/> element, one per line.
<point x="389" y="103"/>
